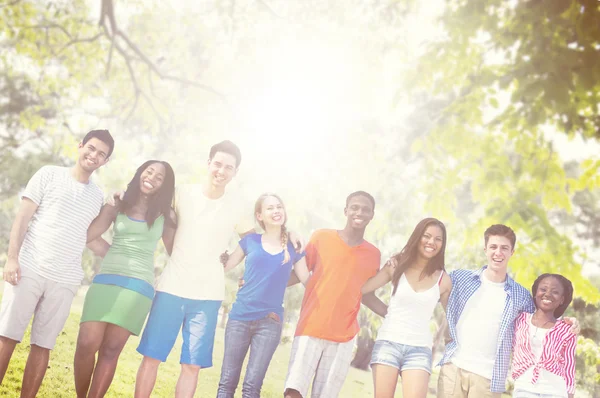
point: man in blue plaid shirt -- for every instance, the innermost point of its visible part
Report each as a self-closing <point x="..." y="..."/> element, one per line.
<point x="482" y="308"/>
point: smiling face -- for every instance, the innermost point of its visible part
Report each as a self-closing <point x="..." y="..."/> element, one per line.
<point x="272" y="212"/>
<point x="550" y="294"/>
<point x="93" y="154"/>
<point x="152" y="178"/>
<point x="498" y="251"/>
<point x="359" y="212"/>
<point x="431" y="242"/>
<point x="221" y="169"/>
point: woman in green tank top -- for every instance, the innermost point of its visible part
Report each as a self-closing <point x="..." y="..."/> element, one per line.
<point x="120" y="296"/>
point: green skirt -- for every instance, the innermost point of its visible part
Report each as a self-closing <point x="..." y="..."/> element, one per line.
<point x="119" y="306"/>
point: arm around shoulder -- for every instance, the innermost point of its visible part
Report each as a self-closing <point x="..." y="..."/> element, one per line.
<point x="234" y="259"/>
<point x="101" y="223"/>
<point x="445" y="290"/>
<point x="301" y="271"/>
<point x="169" y="229"/>
<point x="380" y="279"/>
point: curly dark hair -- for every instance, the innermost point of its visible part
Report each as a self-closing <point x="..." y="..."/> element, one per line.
<point x="160" y="202"/>
<point x="568" y="291"/>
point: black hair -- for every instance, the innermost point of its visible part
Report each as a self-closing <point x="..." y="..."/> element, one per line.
<point x="361" y="193"/>
<point x="160" y="202"/>
<point x="227" y="147"/>
<point x="567" y="295"/>
<point x="410" y="252"/>
<point x="102" y="135"/>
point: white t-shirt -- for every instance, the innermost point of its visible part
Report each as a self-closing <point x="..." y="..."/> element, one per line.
<point x="57" y="233"/>
<point x="204" y="228"/>
<point x="547" y="382"/>
<point x="478" y="329"/>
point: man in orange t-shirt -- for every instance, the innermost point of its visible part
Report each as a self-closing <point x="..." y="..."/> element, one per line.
<point x="341" y="262"/>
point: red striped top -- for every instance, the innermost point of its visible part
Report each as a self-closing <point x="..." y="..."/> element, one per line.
<point x="558" y="355"/>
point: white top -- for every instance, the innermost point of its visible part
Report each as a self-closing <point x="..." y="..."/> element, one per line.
<point x="548" y="382"/>
<point x="409" y="314"/>
<point x="478" y="329"/>
<point x="204" y="229"/>
<point x="57" y="233"/>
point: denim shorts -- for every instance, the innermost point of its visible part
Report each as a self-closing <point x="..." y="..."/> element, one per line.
<point x="401" y="356"/>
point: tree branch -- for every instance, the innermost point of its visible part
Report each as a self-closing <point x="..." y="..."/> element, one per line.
<point x="107" y="12"/>
<point x="75" y="41"/>
<point x="12" y="3"/>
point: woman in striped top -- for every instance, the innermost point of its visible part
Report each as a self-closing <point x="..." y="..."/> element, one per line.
<point x="544" y="348"/>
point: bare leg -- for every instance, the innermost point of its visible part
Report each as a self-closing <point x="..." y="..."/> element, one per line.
<point x="35" y="370"/>
<point x="114" y="340"/>
<point x="290" y="393"/>
<point x="146" y="377"/>
<point x="188" y="380"/>
<point x="7" y="347"/>
<point x="385" y="379"/>
<point x="89" y="341"/>
<point x="415" y="383"/>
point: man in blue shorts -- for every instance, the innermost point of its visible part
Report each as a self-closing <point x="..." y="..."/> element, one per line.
<point x="192" y="286"/>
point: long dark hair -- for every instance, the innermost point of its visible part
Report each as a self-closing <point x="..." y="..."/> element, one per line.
<point x="410" y="252"/>
<point x="567" y="294"/>
<point x="160" y="202"/>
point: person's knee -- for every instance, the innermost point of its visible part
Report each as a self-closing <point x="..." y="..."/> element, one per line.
<point x="37" y="349"/>
<point x="149" y="363"/>
<point x="86" y="344"/>
<point x="291" y="393"/>
<point x="190" y="370"/>
<point x="7" y="342"/>
<point x="110" y="352"/>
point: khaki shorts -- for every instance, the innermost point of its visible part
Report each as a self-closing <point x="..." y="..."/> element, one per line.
<point x="327" y="361"/>
<point x="47" y="301"/>
<point x="455" y="382"/>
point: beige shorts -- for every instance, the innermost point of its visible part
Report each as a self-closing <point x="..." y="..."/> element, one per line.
<point x="47" y="301"/>
<point x="327" y="361"/>
<point x="455" y="382"/>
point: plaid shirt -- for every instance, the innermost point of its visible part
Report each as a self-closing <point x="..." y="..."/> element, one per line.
<point x="518" y="299"/>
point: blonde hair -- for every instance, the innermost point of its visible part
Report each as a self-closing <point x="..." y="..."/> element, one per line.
<point x="284" y="233"/>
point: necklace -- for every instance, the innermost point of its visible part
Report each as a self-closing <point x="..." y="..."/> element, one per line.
<point x="540" y="327"/>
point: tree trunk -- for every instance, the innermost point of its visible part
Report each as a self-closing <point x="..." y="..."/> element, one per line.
<point x="363" y="352"/>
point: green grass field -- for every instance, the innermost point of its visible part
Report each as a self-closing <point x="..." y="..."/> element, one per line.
<point x="59" y="377"/>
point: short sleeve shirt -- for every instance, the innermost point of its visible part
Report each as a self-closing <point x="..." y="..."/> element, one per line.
<point x="204" y="229"/>
<point x="333" y="293"/>
<point x="57" y="234"/>
<point x="265" y="280"/>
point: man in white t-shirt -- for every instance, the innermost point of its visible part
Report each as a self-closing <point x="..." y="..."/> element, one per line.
<point x="43" y="271"/>
<point x="192" y="286"/>
<point x="482" y="309"/>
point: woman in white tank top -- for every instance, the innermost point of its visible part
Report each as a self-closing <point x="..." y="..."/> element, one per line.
<point x="403" y="345"/>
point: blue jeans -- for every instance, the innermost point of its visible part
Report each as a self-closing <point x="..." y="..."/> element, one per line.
<point x="262" y="337"/>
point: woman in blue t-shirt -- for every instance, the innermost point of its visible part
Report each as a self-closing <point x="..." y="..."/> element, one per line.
<point x="256" y="317"/>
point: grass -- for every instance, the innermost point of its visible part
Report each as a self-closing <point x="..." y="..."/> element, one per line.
<point x="59" y="377"/>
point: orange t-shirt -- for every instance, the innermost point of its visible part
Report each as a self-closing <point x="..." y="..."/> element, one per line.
<point x="332" y="298"/>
